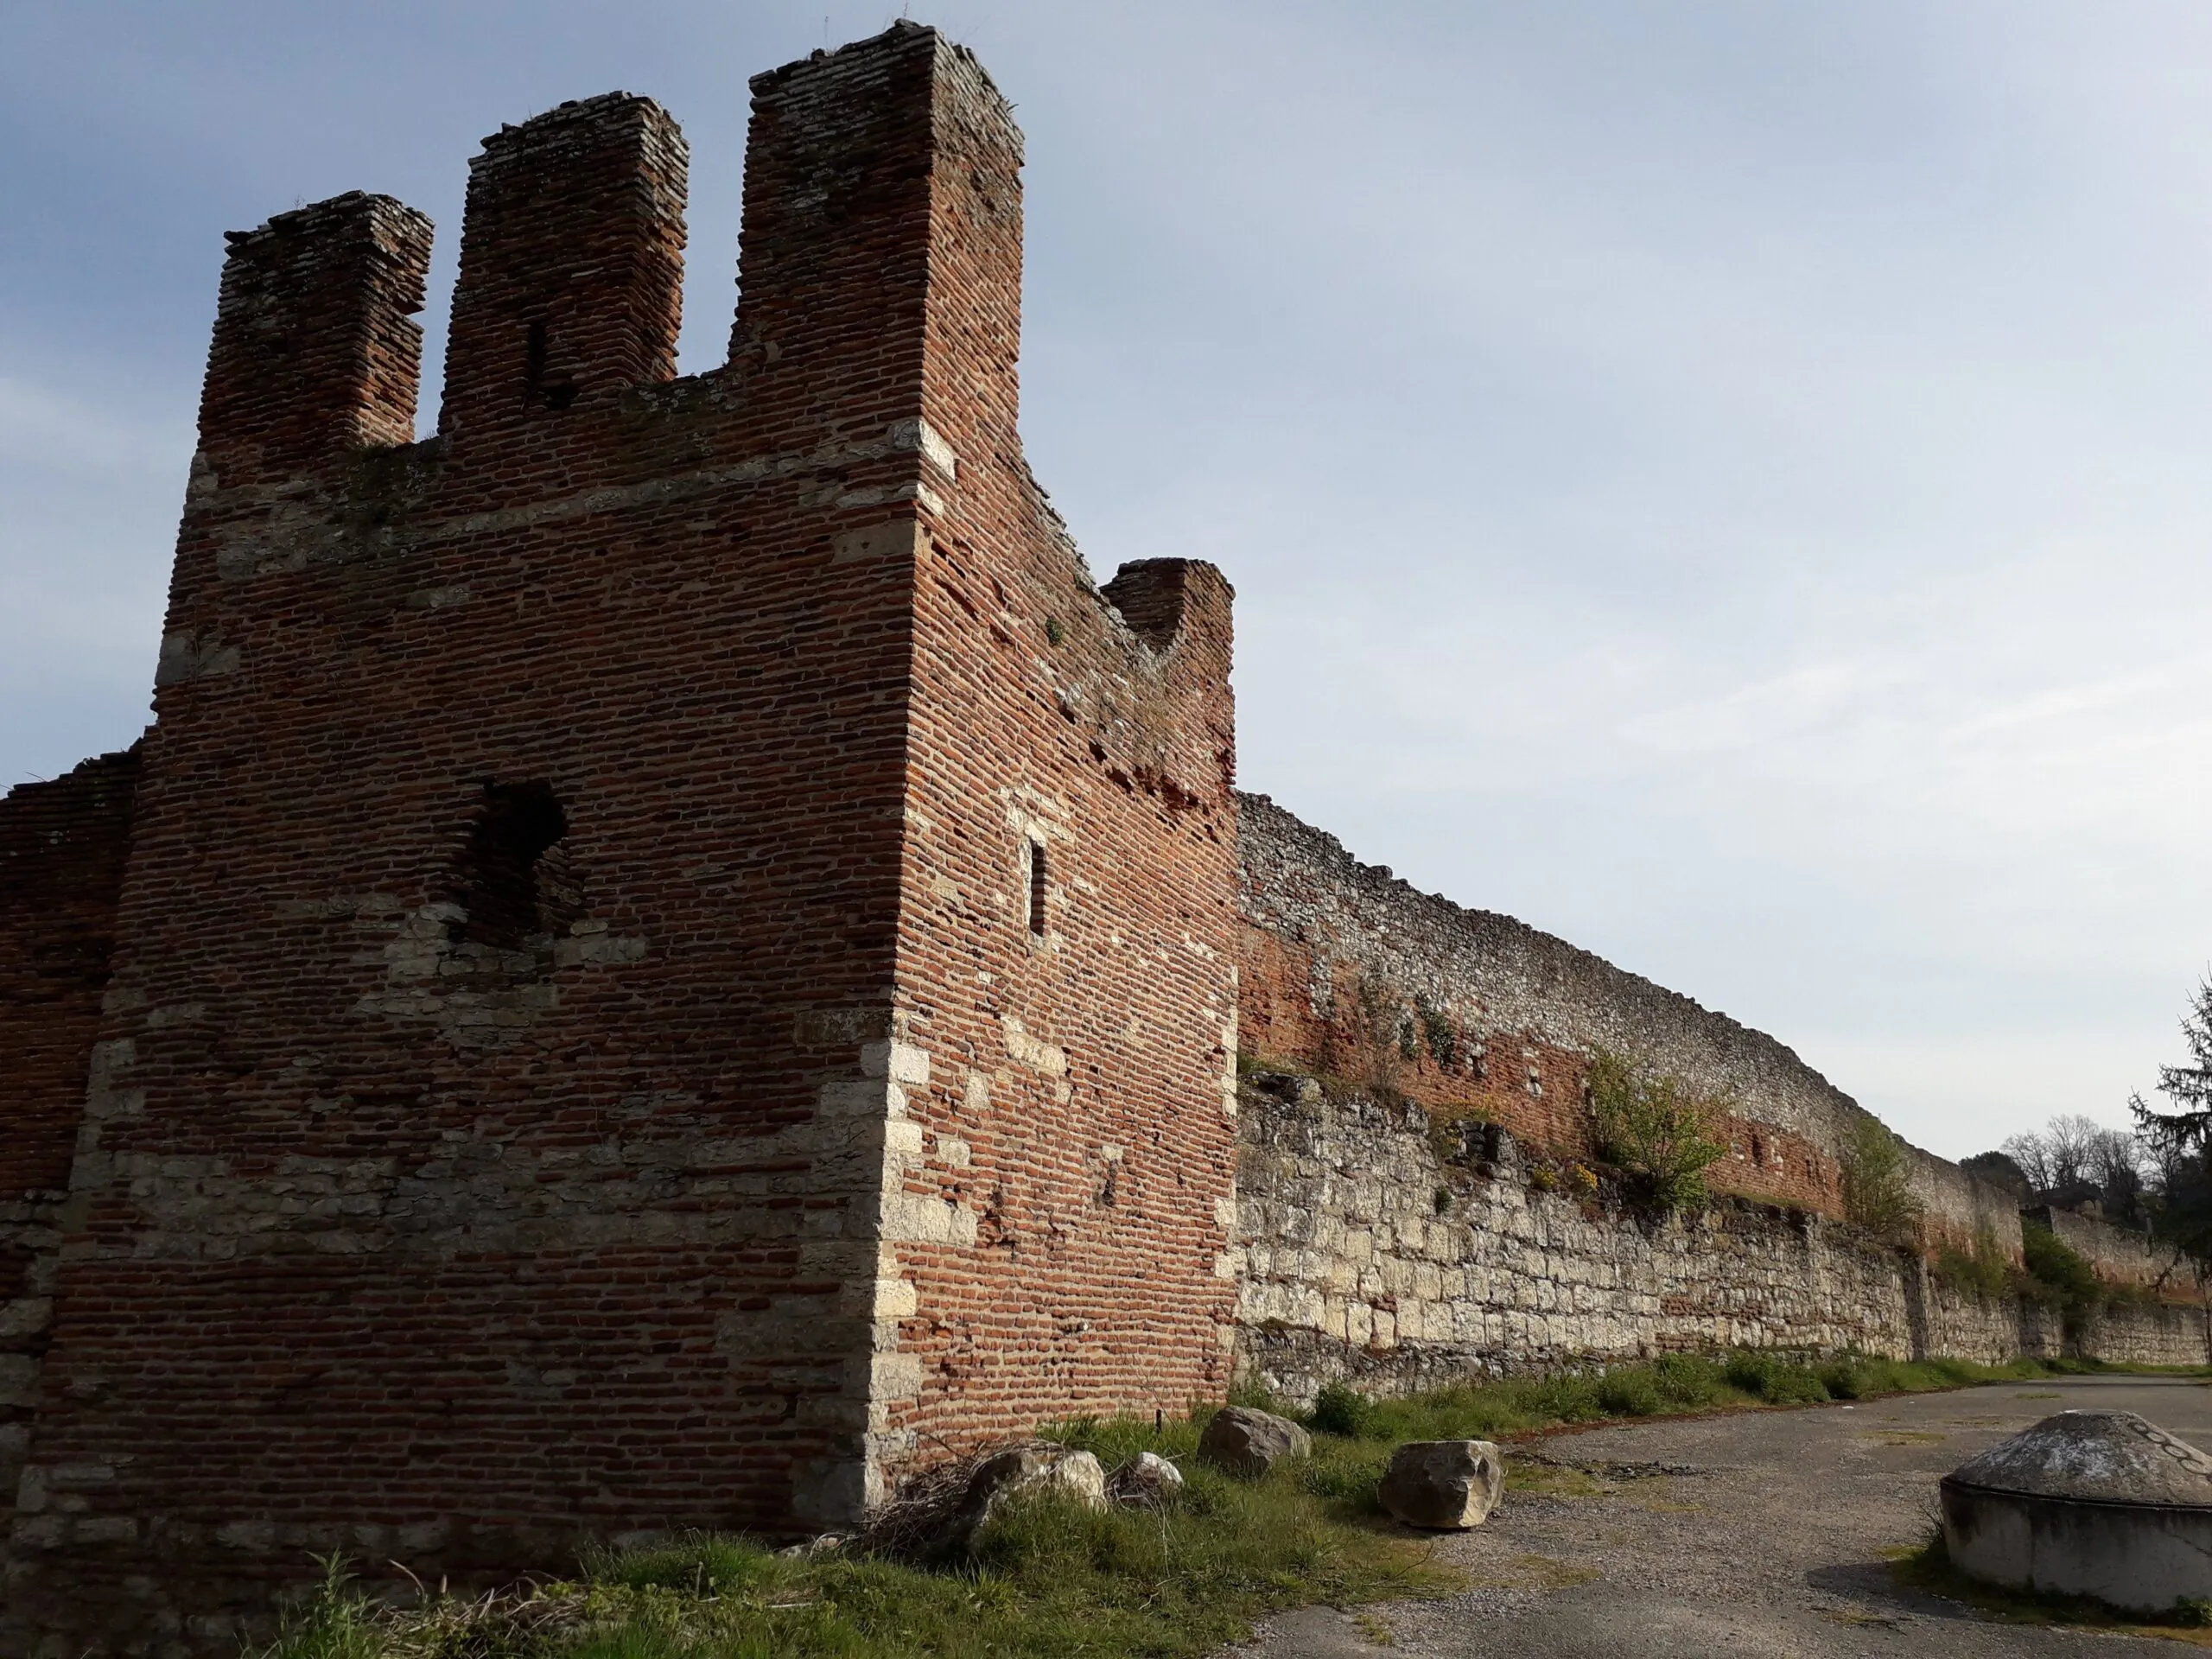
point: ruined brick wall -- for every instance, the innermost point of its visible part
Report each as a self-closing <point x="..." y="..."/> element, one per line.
<point x="594" y="1046"/>
<point x="1381" y="1249"/>
<point x="1348" y="970"/>
<point x="1066" y="965"/>
<point x="61" y="850"/>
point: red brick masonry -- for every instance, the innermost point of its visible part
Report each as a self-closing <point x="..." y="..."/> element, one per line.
<point x="677" y="950"/>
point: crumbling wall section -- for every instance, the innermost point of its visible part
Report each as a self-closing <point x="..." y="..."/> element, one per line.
<point x="2120" y="1257"/>
<point x="1348" y="970"/>
<point x="62" y="846"/>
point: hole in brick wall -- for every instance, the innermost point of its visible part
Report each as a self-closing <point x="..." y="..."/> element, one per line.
<point x="1037" y="888"/>
<point x="517" y="878"/>
<point x="540" y="385"/>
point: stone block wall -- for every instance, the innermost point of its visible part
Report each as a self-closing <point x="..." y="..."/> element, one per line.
<point x="2144" y="1333"/>
<point x="2121" y="1256"/>
<point x="1370" y="1257"/>
<point x="1382" y="1248"/>
<point x="676" y="953"/>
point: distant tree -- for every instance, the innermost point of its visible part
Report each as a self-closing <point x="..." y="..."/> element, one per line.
<point x="2030" y="1155"/>
<point x="1999" y="1171"/>
<point x="2116" y="1168"/>
<point x="2076" y="1161"/>
<point x="2179" y="1138"/>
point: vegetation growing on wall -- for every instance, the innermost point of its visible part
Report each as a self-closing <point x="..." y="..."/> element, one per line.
<point x="1661" y="1132"/>
<point x="2058" y="1273"/>
<point x="1982" y="1272"/>
<point x="1877" y="1186"/>
<point x="1437" y="1030"/>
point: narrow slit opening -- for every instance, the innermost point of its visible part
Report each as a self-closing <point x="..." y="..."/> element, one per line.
<point x="1037" y="888"/>
<point x="533" y="362"/>
<point x="542" y="388"/>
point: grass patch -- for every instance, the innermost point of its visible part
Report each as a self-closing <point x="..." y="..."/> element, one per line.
<point x="1049" y="1577"/>
<point x="1928" y="1568"/>
<point x="1679" y="1383"/>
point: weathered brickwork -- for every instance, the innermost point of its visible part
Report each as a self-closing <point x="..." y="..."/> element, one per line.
<point x="1348" y="971"/>
<point x="61" y="850"/>
<point x="677" y="950"/>
<point x="1379" y="1250"/>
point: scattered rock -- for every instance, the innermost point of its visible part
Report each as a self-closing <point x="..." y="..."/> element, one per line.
<point x="1248" y="1442"/>
<point x="828" y="1543"/>
<point x="1149" y="1482"/>
<point x="1447" y="1485"/>
<point x="1020" y="1469"/>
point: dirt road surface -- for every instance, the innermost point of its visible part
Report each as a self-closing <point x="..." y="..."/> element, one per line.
<point x="1760" y="1534"/>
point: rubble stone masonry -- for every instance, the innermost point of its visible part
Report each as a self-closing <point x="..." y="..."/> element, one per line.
<point x="671" y="957"/>
<point x="1378" y="1252"/>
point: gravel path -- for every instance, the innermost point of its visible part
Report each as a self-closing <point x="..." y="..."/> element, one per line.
<point x="1760" y="1533"/>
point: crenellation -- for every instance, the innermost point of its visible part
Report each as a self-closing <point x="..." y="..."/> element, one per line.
<point x="570" y="289"/>
<point x="609" y="798"/>
<point x="316" y="355"/>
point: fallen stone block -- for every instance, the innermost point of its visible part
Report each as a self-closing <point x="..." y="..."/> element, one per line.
<point x="1248" y="1442"/>
<point x="1020" y="1470"/>
<point x="1445" y="1485"/>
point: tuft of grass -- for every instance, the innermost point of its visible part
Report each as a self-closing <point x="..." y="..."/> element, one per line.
<point x="336" y="1622"/>
<point x="1339" y="1410"/>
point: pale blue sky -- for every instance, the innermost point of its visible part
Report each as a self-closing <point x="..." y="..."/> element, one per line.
<point x="1723" y="482"/>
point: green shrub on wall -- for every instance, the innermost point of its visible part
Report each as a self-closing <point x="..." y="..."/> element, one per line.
<point x="1658" y="1130"/>
<point x="1876" y="1182"/>
<point x="2059" y="1270"/>
<point x="1984" y="1271"/>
